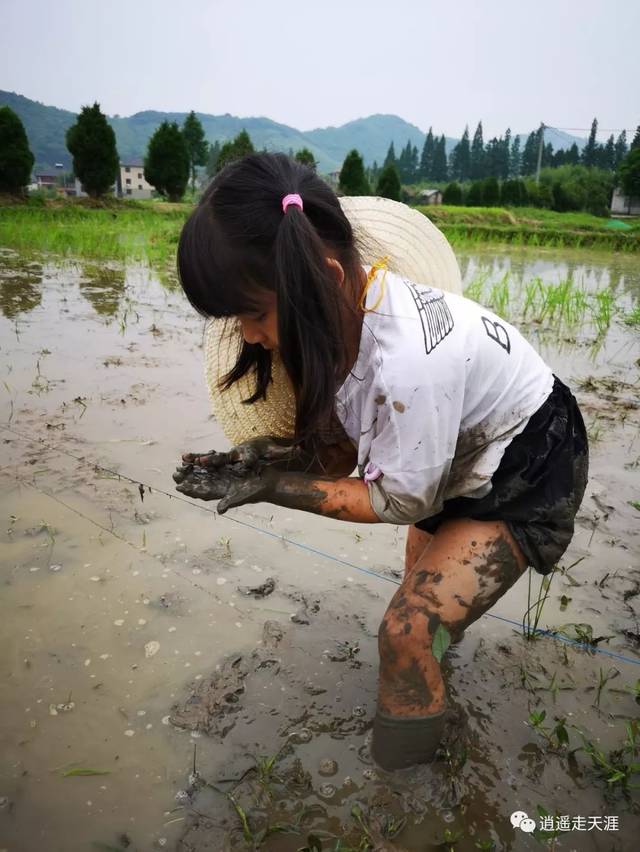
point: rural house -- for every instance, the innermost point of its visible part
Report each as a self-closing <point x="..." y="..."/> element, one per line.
<point x="430" y="196"/>
<point x="131" y="182"/>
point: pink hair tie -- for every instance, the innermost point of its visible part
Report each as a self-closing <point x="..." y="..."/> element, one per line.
<point x="293" y="198"/>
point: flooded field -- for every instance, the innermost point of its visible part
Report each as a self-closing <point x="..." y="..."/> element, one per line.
<point x="176" y="680"/>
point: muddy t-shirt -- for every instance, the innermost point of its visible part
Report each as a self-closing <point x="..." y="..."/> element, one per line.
<point x="440" y="388"/>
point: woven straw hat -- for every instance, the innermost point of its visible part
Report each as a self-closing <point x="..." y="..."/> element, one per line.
<point x="416" y="250"/>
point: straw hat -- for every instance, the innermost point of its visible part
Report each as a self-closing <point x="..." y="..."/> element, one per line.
<point x="416" y="250"/>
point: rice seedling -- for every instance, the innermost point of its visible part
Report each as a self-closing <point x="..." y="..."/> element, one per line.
<point x="533" y="613"/>
<point x="603" y="680"/>
<point x="621" y="765"/>
<point x="557" y="737"/>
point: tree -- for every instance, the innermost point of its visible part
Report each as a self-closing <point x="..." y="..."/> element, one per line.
<point x="572" y="156"/>
<point x="476" y="169"/>
<point x="607" y="154"/>
<point x="16" y="159"/>
<point x="426" y="160"/>
<point x="515" y="159"/>
<point x="166" y="165"/>
<point x="590" y="151"/>
<point x="461" y="158"/>
<point x="92" y="144"/>
<point x="620" y="149"/>
<point x="635" y="143"/>
<point x="490" y="192"/>
<point x="196" y="142"/>
<point x="353" y="180"/>
<point x="390" y="159"/>
<point x="452" y="194"/>
<point x="236" y="148"/>
<point x="530" y="153"/>
<point x="305" y="156"/>
<point x="440" y="160"/>
<point x="630" y="174"/>
<point x="212" y="159"/>
<point x="389" y="183"/>
<point x="475" y="196"/>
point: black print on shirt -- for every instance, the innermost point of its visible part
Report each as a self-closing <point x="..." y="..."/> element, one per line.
<point x="434" y="313"/>
<point x="498" y="333"/>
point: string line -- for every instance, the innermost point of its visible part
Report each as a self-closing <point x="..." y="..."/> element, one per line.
<point x="301" y="545"/>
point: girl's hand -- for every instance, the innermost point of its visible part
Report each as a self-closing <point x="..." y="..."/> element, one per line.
<point x="249" y="455"/>
<point x="230" y="485"/>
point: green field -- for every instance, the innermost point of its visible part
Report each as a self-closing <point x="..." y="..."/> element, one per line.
<point x="149" y="230"/>
<point x="533" y="226"/>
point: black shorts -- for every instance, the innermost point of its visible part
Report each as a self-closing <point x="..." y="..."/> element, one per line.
<point x="539" y="484"/>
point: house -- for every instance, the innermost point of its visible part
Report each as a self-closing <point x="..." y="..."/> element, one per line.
<point x="430" y="196"/>
<point x="623" y="205"/>
<point x="47" y="180"/>
<point x="131" y="182"/>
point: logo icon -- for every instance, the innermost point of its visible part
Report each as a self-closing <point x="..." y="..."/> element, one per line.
<point x="519" y="819"/>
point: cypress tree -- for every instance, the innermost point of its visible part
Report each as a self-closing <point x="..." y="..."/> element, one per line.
<point x="16" y="159"/>
<point x="492" y="157"/>
<point x="476" y="168"/>
<point x="475" y="196"/>
<point x="505" y="155"/>
<point x="404" y="163"/>
<point x="390" y="159"/>
<point x="440" y="160"/>
<point x="590" y="151"/>
<point x="166" y="165"/>
<point x="389" y="183"/>
<point x="530" y="153"/>
<point x="635" y="143"/>
<point x="92" y="144"/>
<point x="515" y="158"/>
<point x="461" y="158"/>
<point x="426" y="161"/>
<point x="237" y="148"/>
<point x="212" y="159"/>
<point x="620" y="149"/>
<point x="608" y="155"/>
<point x="353" y="180"/>
<point x="415" y="164"/>
<point x="196" y="143"/>
<point x="305" y="156"/>
<point x="572" y="156"/>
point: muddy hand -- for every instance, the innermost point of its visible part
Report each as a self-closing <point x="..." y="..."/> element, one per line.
<point x="250" y="455"/>
<point x="231" y="487"/>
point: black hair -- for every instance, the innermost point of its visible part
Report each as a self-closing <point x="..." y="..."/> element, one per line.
<point x="238" y="243"/>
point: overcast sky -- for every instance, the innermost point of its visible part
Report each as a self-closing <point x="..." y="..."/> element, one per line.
<point x="313" y="64"/>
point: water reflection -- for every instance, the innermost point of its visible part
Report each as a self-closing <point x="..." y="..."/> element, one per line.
<point x="103" y="288"/>
<point x="20" y="287"/>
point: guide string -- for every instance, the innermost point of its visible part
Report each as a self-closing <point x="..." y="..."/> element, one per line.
<point x="301" y="545"/>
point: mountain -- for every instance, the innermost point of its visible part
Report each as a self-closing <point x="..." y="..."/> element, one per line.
<point x="46" y="127"/>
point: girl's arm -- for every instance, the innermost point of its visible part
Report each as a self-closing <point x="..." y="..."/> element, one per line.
<point x="344" y="498"/>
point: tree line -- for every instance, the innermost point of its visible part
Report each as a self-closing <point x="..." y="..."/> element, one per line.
<point x="480" y="173"/>
<point x="502" y="157"/>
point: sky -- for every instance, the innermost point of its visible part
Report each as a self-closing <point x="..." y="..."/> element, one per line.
<point x="440" y="63"/>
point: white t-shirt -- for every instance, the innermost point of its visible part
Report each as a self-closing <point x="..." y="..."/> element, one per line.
<point x="440" y="388"/>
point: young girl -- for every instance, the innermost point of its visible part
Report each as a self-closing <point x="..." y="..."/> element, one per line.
<point x="459" y="429"/>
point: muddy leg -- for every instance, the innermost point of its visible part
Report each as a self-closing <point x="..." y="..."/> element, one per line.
<point x="417" y="542"/>
<point x="466" y="568"/>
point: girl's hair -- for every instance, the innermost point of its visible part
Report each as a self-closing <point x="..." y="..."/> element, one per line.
<point x="238" y="243"/>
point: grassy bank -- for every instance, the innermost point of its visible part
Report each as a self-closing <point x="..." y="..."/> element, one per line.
<point x="122" y="230"/>
<point x="533" y="227"/>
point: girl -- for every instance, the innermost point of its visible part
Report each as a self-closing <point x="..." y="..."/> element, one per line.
<point x="458" y="427"/>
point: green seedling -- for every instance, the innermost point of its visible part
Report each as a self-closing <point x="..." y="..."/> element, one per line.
<point x="603" y="680"/>
<point x="533" y="613"/>
<point x="635" y="504"/>
<point x="582" y="633"/>
<point x="81" y="772"/>
<point x="557" y="738"/>
<point x="621" y="765"/>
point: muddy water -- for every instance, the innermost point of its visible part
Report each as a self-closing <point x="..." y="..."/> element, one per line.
<point x="131" y="648"/>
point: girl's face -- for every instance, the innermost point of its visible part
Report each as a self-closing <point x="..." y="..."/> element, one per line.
<point x="261" y="326"/>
